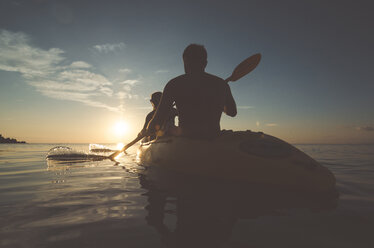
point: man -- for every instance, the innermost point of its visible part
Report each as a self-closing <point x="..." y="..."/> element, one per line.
<point x="200" y="98"/>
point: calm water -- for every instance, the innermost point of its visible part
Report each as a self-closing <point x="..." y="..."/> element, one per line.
<point x="103" y="204"/>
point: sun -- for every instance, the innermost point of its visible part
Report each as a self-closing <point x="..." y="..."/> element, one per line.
<point x="120" y="146"/>
<point x="121" y="128"/>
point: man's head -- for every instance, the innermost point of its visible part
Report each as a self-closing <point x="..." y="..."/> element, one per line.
<point x="155" y="98"/>
<point x="195" y="58"/>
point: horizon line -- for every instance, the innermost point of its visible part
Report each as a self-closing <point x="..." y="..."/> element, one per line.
<point x="84" y="143"/>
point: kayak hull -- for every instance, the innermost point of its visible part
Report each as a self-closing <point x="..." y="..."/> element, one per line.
<point x="241" y="156"/>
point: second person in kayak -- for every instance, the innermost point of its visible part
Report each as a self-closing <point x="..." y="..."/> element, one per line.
<point x="199" y="97"/>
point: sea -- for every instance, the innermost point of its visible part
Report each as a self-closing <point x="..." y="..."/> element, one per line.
<point x="104" y="203"/>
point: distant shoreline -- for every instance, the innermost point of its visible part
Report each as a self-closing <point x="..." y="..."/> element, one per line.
<point x="10" y="141"/>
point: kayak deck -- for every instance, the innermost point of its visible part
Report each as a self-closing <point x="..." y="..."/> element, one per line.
<point x="244" y="156"/>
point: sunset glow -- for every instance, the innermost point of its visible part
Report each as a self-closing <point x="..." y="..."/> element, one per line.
<point x="305" y="90"/>
<point x="120" y="146"/>
<point x="121" y="128"/>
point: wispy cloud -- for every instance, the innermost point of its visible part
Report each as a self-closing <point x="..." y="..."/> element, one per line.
<point x="106" y="48"/>
<point x="366" y="128"/>
<point x="161" y="71"/>
<point x="126" y="92"/>
<point x="46" y="70"/>
<point x="125" y="70"/>
<point x="127" y="87"/>
<point x="130" y="82"/>
<point x="18" y="56"/>
<point x="271" y="124"/>
<point x="245" y="107"/>
<point x="80" y="65"/>
<point x="126" y="95"/>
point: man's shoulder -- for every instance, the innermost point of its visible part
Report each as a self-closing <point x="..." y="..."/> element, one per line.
<point x="213" y="77"/>
<point x="177" y="79"/>
<point x="173" y="83"/>
<point x="181" y="82"/>
<point x="186" y="77"/>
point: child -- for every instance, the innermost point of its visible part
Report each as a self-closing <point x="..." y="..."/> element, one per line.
<point x="166" y="127"/>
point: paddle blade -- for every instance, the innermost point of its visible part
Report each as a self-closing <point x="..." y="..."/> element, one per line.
<point x="245" y="67"/>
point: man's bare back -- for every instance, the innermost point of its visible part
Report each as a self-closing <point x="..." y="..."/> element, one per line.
<point x="200" y="99"/>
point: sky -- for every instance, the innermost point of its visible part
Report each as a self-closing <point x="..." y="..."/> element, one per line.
<point x="83" y="71"/>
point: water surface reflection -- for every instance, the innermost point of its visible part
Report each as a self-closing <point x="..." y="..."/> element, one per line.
<point x="205" y="211"/>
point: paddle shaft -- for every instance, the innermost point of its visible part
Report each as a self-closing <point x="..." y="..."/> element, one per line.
<point x="126" y="146"/>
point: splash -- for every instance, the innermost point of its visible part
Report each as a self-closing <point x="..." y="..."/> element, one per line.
<point x="100" y="148"/>
<point x="64" y="153"/>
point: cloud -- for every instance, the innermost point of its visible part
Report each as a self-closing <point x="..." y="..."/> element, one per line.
<point x="106" y="91"/>
<point x="271" y="124"/>
<point x="18" y="56"/>
<point x="45" y="71"/>
<point x="127" y="89"/>
<point x="78" y="97"/>
<point x="125" y="70"/>
<point x="366" y="128"/>
<point x="130" y="82"/>
<point x="257" y="123"/>
<point x="83" y="78"/>
<point x="161" y="71"/>
<point x="126" y="95"/>
<point x="245" y="107"/>
<point x="80" y="65"/>
<point x="106" y="48"/>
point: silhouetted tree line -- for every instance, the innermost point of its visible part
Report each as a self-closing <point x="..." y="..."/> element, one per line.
<point x="9" y="140"/>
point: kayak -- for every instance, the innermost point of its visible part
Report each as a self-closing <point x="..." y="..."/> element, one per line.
<point x="240" y="156"/>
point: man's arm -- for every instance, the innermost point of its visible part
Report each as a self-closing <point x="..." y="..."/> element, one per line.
<point x="166" y="103"/>
<point x="147" y="120"/>
<point x="230" y="105"/>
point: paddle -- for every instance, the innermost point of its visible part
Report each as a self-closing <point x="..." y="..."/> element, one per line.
<point x="240" y="71"/>
<point x="245" y="67"/>
<point x="112" y="156"/>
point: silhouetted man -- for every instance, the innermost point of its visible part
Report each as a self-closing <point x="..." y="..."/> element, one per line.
<point x="199" y="97"/>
